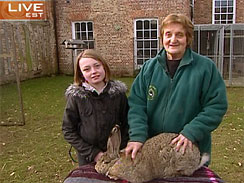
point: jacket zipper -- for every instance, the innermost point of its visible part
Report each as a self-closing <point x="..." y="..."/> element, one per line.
<point x="168" y="96"/>
<point x="169" y="91"/>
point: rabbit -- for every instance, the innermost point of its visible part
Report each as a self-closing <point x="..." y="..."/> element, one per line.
<point x="157" y="159"/>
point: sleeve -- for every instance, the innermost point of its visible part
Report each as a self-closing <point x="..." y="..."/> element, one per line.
<point x="71" y="120"/>
<point x="137" y="115"/>
<point x="124" y="127"/>
<point x="214" y="106"/>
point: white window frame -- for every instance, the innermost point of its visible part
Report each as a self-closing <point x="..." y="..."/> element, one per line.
<point x="226" y="21"/>
<point x="87" y="32"/>
<point x="88" y="41"/>
<point x="143" y="41"/>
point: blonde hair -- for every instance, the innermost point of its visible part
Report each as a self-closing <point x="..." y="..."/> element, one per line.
<point x="89" y="53"/>
<point x="182" y="20"/>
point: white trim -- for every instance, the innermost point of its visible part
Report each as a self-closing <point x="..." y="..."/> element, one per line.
<point x="234" y="12"/>
<point x="75" y="51"/>
<point x="137" y="66"/>
<point x="73" y="28"/>
<point x="213" y="12"/>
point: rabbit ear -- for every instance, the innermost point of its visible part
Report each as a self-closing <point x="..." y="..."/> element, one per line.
<point x="114" y="141"/>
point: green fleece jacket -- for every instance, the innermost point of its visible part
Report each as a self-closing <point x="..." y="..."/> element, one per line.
<point x="192" y="103"/>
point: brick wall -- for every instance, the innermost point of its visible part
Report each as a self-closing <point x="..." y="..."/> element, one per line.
<point x="113" y="27"/>
<point x="239" y="11"/>
<point x="203" y="11"/>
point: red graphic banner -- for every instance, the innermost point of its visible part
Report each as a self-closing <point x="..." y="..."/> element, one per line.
<point x="23" y="10"/>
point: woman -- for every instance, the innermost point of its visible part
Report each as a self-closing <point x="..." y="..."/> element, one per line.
<point x="178" y="91"/>
<point x="94" y="105"/>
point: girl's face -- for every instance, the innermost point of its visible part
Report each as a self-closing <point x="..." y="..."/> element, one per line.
<point x="93" y="72"/>
<point x="174" y="41"/>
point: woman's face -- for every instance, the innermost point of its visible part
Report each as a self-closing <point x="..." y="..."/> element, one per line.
<point x="93" y="71"/>
<point x="174" y="41"/>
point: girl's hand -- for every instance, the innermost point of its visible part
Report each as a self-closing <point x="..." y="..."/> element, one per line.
<point x="181" y="143"/>
<point x="133" y="148"/>
<point x="98" y="156"/>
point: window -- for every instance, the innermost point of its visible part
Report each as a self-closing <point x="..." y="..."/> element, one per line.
<point x="83" y="31"/>
<point x="224" y="11"/>
<point x="146" y="40"/>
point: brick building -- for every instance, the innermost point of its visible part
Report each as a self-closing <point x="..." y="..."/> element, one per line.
<point x="125" y="32"/>
<point x="110" y="26"/>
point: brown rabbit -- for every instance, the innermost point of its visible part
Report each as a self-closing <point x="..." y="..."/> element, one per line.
<point x="157" y="159"/>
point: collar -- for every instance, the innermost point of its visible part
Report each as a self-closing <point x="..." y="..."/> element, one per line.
<point x="186" y="59"/>
<point x="92" y="89"/>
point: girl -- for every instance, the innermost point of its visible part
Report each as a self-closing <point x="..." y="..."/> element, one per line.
<point x="94" y="105"/>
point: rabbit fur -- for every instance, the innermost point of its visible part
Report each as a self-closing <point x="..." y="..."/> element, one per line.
<point x="157" y="159"/>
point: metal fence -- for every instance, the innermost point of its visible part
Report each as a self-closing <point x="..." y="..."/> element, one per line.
<point x="224" y="44"/>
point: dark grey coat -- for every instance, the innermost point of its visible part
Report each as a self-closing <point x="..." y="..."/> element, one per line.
<point x="89" y="117"/>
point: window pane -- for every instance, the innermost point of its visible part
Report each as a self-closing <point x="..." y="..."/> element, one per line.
<point x="139" y="53"/>
<point x="147" y="54"/>
<point x="89" y="25"/>
<point x="230" y="17"/>
<point x="153" y="24"/>
<point x="217" y="10"/>
<point x="83" y="36"/>
<point x="153" y="53"/>
<point x="90" y="35"/>
<point x="91" y="44"/>
<point x="146" y="24"/>
<point x="139" y="35"/>
<point x="223" y="10"/>
<point x="217" y="17"/>
<point x="85" y="45"/>
<point x="223" y="3"/>
<point x="77" y="26"/>
<point x="154" y="44"/>
<point x="223" y="17"/>
<point x="146" y="35"/>
<point x="138" y="24"/>
<point x="77" y="35"/>
<point x="83" y="26"/>
<point x="217" y="3"/>
<point x="217" y="22"/>
<point x="139" y="44"/>
<point x="154" y="34"/>
<point x="230" y="10"/>
<point x="139" y="61"/>
<point x="230" y="3"/>
<point x="147" y="44"/>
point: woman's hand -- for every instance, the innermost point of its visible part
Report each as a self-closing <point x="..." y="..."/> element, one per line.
<point x="181" y="142"/>
<point x="133" y="148"/>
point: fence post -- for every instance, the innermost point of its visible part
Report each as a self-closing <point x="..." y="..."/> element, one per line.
<point x="221" y="50"/>
<point x="231" y="55"/>
<point x="17" y="76"/>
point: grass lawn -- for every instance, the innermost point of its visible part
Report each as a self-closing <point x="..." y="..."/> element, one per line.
<point x="37" y="151"/>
